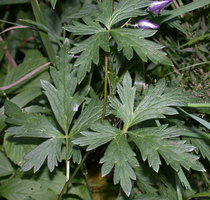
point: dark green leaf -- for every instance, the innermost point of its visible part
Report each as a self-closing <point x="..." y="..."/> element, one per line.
<point x="90" y="27"/>
<point x="29" y="125"/>
<point x="90" y="52"/>
<point x="127" y="9"/>
<point x="133" y="39"/>
<point x="50" y="149"/>
<point x="150" y="197"/>
<point x="5" y="166"/>
<point x="102" y="134"/>
<point x="155" y="104"/>
<point x="154" y="141"/>
<point x="120" y="156"/>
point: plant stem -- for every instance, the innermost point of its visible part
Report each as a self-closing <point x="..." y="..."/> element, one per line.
<point x="72" y="176"/>
<point x="106" y="63"/>
<point x="198" y="105"/>
<point x="43" y="35"/>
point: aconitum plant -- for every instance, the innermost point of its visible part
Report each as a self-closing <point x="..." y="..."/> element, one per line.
<point x="92" y="111"/>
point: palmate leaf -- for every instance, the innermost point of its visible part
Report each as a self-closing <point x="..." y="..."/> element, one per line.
<point x="90" y="52"/>
<point x="156" y="141"/>
<point x="123" y="10"/>
<point x="130" y="40"/>
<point x="120" y="156"/>
<point x="30" y="125"/>
<point x="155" y="104"/>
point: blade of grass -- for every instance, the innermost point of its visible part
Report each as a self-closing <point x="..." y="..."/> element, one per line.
<point x="44" y="36"/>
<point x="168" y="15"/>
<point x="198" y="119"/>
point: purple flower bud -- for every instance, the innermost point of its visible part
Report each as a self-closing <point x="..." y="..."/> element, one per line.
<point x="157" y="6"/>
<point x="146" y="24"/>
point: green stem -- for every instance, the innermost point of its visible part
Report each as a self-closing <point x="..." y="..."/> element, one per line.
<point x="198" y="105"/>
<point x="71" y="178"/>
<point x="44" y="36"/>
<point x="106" y="63"/>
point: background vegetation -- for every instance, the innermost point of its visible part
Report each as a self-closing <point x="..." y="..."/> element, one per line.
<point x="95" y="107"/>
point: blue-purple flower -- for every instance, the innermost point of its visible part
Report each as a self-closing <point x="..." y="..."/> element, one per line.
<point x="146" y="24"/>
<point x="157" y="6"/>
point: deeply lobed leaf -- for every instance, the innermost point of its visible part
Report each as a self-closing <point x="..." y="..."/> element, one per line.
<point x="154" y="141"/>
<point x="130" y="40"/>
<point x="120" y="156"/>
<point x="90" y="52"/>
<point x="155" y="104"/>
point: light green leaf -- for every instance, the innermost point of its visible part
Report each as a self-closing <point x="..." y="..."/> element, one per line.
<point x="5" y="166"/>
<point x="53" y="3"/>
<point x="133" y="39"/>
<point x="154" y="141"/>
<point x="102" y="134"/>
<point x="50" y="149"/>
<point x="155" y="104"/>
<point x="74" y="153"/>
<point x="90" y="53"/>
<point x="120" y="156"/>
<point x="90" y="27"/>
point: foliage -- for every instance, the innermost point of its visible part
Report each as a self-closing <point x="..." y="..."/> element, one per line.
<point x="93" y="106"/>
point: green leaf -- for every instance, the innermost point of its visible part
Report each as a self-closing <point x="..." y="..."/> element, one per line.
<point x="29" y="125"/>
<point x="133" y="39"/>
<point x="16" y="189"/>
<point x="198" y="119"/>
<point x="7" y="2"/>
<point x="105" y="13"/>
<point x="2" y="44"/>
<point x="63" y="103"/>
<point x="150" y="197"/>
<point x="128" y="9"/>
<point x="155" y="104"/>
<point x="102" y="134"/>
<point x="5" y="166"/>
<point x="168" y="15"/>
<point x="124" y="108"/>
<point x="146" y="179"/>
<point x="88" y="116"/>
<point x="120" y="156"/>
<point x="17" y="148"/>
<point x="156" y="140"/>
<point x="90" y="27"/>
<point x="90" y="52"/>
<point x="202" y="146"/>
<point x="53" y="3"/>
<point x="50" y="149"/>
